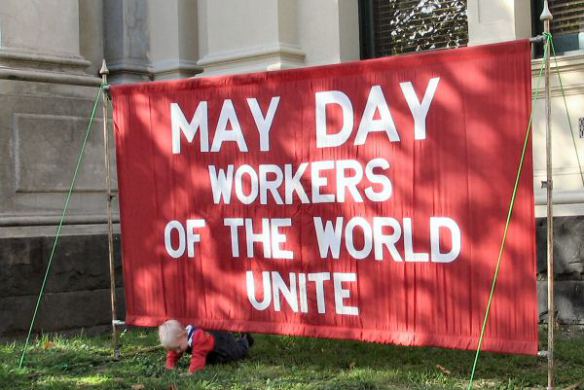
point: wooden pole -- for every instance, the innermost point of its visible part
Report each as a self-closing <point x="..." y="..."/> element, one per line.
<point x="110" y="230"/>
<point x="546" y="17"/>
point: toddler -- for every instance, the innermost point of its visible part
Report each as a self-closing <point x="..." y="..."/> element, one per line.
<point x="204" y="346"/>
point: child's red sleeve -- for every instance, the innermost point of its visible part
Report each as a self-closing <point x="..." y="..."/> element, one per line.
<point x="171" y="359"/>
<point x="203" y="343"/>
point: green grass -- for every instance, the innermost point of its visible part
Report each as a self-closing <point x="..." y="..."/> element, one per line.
<point x="278" y="362"/>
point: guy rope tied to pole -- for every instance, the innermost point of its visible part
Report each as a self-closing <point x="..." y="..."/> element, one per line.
<point x="102" y="89"/>
<point x="61" y="222"/>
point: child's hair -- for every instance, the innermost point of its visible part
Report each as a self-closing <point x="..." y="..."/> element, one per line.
<point x="169" y="332"/>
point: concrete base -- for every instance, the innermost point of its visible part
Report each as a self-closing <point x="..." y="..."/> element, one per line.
<point x="58" y="311"/>
<point x="568" y="268"/>
<point x="568" y="247"/>
<point x="569" y="301"/>
<point x="77" y="294"/>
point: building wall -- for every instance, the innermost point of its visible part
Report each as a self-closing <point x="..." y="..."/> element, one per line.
<point x="48" y="82"/>
<point x="50" y="55"/>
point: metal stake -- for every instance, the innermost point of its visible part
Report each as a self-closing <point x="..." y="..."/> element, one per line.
<point x="546" y="17"/>
<point x="110" y="230"/>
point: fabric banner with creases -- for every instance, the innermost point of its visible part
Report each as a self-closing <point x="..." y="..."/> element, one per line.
<point x="364" y="200"/>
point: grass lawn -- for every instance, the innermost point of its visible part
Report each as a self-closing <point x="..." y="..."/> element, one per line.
<point x="279" y="362"/>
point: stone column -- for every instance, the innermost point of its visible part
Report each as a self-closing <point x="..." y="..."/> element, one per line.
<point x="329" y="31"/>
<point x="248" y="36"/>
<point x="40" y="41"/>
<point x="127" y="42"/>
<point x="151" y="39"/>
<point x="91" y="33"/>
<point x="492" y="21"/>
<point x="174" y="48"/>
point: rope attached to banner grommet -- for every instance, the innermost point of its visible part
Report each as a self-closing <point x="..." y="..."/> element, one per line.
<point x="548" y="37"/>
<point x="60" y="226"/>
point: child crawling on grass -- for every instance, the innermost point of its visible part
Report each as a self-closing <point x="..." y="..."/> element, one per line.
<point x="204" y="346"/>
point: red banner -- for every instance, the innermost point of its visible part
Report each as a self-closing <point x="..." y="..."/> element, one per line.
<point x="364" y="200"/>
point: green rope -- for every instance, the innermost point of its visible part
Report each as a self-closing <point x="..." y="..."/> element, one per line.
<point x="567" y="111"/>
<point x="57" y="236"/>
<point x="507" y="223"/>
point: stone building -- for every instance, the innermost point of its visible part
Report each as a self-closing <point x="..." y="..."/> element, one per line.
<point x="50" y="55"/>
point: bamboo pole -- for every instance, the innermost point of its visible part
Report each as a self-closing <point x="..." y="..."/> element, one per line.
<point x="110" y="231"/>
<point x="547" y="17"/>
